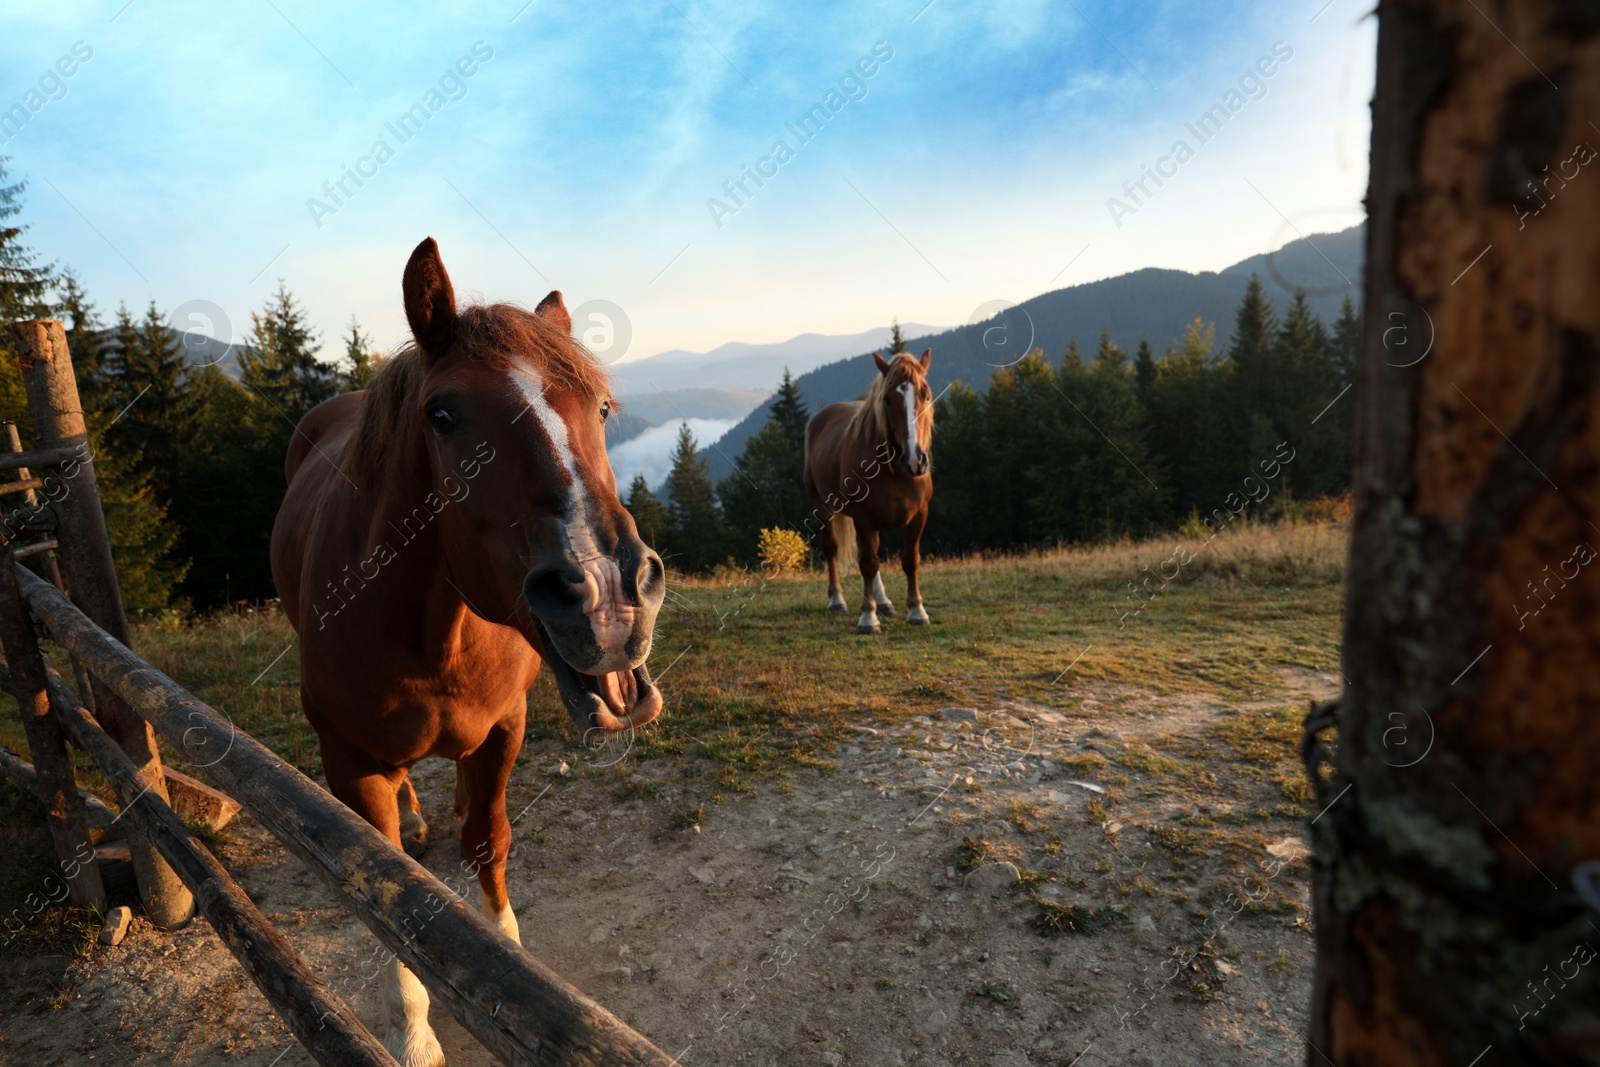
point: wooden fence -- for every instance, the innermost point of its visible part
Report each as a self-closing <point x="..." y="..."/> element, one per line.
<point x="522" y="1011"/>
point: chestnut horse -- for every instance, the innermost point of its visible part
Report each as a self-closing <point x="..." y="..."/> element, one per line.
<point x="445" y="530"/>
<point x="867" y="469"/>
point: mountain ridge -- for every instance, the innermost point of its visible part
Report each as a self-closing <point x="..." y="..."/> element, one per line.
<point x="1153" y="302"/>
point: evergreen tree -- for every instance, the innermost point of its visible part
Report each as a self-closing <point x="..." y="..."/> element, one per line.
<point x="24" y="286"/>
<point x="897" y="341"/>
<point x="790" y="413"/>
<point x="279" y="362"/>
<point x="360" y="357"/>
<point x="649" y="513"/>
<point x="232" y="486"/>
<point x="1257" y="387"/>
<point x="1345" y="346"/>
<point x="1189" y="424"/>
<point x="1097" y="479"/>
<point x="1018" y="429"/>
<point x="766" y="487"/>
<point x="1144" y="371"/>
<point x="155" y="420"/>
<point x="697" y="538"/>
<point x="958" y="518"/>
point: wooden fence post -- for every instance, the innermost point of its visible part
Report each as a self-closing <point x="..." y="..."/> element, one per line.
<point x="51" y="760"/>
<point x="81" y="531"/>
<point x="52" y="568"/>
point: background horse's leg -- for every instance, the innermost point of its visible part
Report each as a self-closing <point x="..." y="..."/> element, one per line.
<point x="486" y="832"/>
<point x="910" y="560"/>
<point x="830" y="551"/>
<point x="881" y="595"/>
<point x="867" y="548"/>
<point x="371" y="791"/>
<point x="413" y="828"/>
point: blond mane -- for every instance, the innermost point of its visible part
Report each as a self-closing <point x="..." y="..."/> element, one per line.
<point x="497" y="335"/>
<point x="870" y="417"/>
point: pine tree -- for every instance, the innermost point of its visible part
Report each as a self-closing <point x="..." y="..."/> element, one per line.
<point x="959" y="514"/>
<point x="360" y="357"/>
<point x="1256" y="387"/>
<point x="789" y="409"/>
<point x="155" y="422"/>
<point x="649" y="513"/>
<point x="1345" y="346"/>
<point x="233" y="483"/>
<point x="697" y="537"/>
<point x="24" y="284"/>
<point x="1144" y="371"/>
<point x="279" y="362"/>
<point x="1188" y="426"/>
<point x="897" y="341"/>
<point x="766" y="487"/>
<point x="1017" y="432"/>
<point x="1096" y="479"/>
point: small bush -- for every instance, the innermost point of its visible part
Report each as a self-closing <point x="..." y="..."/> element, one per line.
<point x="781" y="550"/>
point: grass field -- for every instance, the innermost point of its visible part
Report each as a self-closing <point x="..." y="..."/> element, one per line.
<point x="761" y="681"/>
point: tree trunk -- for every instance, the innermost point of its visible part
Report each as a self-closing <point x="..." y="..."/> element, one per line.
<point x="1451" y="922"/>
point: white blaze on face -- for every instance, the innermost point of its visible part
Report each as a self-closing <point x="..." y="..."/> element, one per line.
<point x="913" y="452"/>
<point x="609" y="611"/>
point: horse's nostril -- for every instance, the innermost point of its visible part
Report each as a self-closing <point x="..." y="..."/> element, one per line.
<point x="556" y="590"/>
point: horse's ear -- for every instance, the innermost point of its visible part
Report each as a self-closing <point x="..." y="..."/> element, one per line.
<point x="430" y="300"/>
<point x="927" y="357"/>
<point x="883" y="365"/>
<point x="554" y="310"/>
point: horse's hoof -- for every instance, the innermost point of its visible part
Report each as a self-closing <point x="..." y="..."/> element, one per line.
<point x="886" y="609"/>
<point x="419" y="1050"/>
<point x="836" y="609"/>
<point x="413" y="834"/>
<point x="869" y="630"/>
<point x="917" y="617"/>
<point x="416" y="845"/>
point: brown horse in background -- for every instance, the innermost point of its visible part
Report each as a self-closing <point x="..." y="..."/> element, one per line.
<point x="867" y="469"/>
<point x="445" y="530"/>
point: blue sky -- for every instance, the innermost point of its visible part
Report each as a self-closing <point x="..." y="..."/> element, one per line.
<point x="176" y="164"/>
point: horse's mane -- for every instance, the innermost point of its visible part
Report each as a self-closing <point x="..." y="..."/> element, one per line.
<point x="498" y="335"/>
<point x="870" y="418"/>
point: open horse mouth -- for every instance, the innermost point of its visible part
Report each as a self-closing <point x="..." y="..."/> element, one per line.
<point x="620" y="700"/>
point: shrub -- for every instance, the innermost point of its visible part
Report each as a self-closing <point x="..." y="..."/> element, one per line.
<point x="781" y="550"/>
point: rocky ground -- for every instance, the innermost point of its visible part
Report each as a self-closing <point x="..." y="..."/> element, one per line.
<point x="1007" y="885"/>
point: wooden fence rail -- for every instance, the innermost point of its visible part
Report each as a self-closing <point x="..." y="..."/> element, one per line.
<point x="522" y="1011"/>
<point x="320" y="1020"/>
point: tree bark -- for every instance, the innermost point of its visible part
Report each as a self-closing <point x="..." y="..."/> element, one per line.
<point x="1449" y="929"/>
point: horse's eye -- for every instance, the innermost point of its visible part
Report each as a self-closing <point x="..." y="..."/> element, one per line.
<point x="605" y="410"/>
<point x="441" y="419"/>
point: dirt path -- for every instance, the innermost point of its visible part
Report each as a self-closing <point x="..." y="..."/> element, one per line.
<point x="825" y="921"/>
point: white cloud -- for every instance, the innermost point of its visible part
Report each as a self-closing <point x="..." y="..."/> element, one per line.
<point x="650" y="454"/>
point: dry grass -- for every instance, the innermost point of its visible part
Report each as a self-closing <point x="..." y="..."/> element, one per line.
<point x="760" y="678"/>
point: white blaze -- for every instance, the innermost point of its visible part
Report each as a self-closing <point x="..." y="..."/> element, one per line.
<point x="609" y="612"/>
<point x="531" y="387"/>
<point x="910" y="395"/>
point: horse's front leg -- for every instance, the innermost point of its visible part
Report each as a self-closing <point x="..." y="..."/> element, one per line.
<point x="413" y="828"/>
<point x="481" y="779"/>
<point x="371" y="791"/>
<point x="871" y="581"/>
<point x="830" y="551"/>
<point x="910" y="560"/>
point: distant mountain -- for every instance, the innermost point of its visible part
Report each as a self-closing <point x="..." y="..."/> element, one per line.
<point x="671" y="405"/>
<point x="1154" y="303"/>
<point x="205" y="351"/>
<point x="738" y="365"/>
